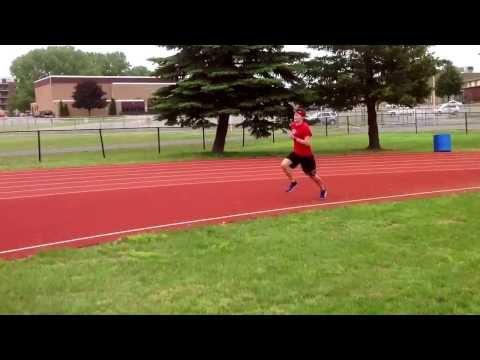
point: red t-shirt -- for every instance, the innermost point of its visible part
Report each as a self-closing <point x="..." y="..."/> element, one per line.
<point x="301" y="131"/>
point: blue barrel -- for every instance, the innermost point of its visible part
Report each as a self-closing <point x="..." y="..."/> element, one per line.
<point x="442" y="142"/>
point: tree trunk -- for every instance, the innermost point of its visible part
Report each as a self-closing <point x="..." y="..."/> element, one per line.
<point x="220" y="136"/>
<point x="373" y="139"/>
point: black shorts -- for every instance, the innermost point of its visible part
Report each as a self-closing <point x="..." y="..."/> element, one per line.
<point x="309" y="166"/>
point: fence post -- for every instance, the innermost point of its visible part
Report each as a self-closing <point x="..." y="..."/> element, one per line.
<point x="273" y="133"/>
<point x="326" y="127"/>
<point x="243" y="136"/>
<point x="101" y="141"/>
<point x="39" y="147"/>
<point x="158" y="138"/>
<point x="416" y="124"/>
<point x="348" y="125"/>
<point x="466" y="123"/>
<point x="203" y="136"/>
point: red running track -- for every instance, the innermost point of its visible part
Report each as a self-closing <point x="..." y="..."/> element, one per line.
<point x="42" y="209"/>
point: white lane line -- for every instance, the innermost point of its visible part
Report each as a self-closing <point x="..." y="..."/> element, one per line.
<point x="170" y="184"/>
<point x="205" y="175"/>
<point x="225" y="217"/>
<point x="222" y="165"/>
<point x="172" y="173"/>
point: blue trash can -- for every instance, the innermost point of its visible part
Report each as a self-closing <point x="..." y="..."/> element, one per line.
<point x="442" y="142"/>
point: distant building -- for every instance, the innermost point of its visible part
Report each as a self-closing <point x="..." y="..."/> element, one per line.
<point x="471" y="89"/>
<point x="131" y="93"/>
<point x="7" y="91"/>
<point x="470" y="79"/>
<point x="465" y="69"/>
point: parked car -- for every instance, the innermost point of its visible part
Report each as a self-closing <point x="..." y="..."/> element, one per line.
<point x="322" y="117"/>
<point x="45" y="114"/>
<point x="452" y="107"/>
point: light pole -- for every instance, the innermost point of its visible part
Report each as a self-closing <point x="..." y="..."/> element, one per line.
<point x="434" y="95"/>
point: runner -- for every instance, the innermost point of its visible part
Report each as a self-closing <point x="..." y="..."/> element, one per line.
<point x="302" y="154"/>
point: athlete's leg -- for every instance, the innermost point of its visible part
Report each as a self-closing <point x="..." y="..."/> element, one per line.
<point x="317" y="180"/>
<point x="285" y="165"/>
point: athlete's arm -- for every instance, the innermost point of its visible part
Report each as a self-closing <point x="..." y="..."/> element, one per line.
<point x="305" y="141"/>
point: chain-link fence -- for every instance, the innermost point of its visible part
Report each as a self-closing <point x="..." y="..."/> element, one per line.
<point x="110" y="135"/>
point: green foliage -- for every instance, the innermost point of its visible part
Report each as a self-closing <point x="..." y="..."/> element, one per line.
<point x="223" y="80"/>
<point x="63" y="109"/>
<point x="89" y="95"/>
<point x="449" y="81"/>
<point x="138" y="71"/>
<point x="112" y="108"/>
<point x="110" y="64"/>
<point x="63" y="60"/>
<point x="418" y="256"/>
<point x="347" y="76"/>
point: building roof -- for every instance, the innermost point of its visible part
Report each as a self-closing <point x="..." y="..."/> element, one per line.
<point x="99" y="79"/>
<point x="470" y="77"/>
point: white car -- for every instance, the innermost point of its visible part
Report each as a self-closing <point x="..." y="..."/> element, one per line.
<point x="322" y="117"/>
<point x="451" y="107"/>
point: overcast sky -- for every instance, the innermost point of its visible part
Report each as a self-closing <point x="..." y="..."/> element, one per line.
<point x="460" y="55"/>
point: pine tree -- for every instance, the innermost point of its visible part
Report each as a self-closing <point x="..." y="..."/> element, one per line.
<point x="347" y="76"/>
<point x="223" y="80"/>
<point x="61" y="109"/>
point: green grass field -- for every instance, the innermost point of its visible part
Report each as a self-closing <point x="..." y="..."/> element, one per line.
<point x="412" y="257"/>
<point x="333" y="144"/>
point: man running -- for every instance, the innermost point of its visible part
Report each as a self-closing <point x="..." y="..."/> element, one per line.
<point x="302" y="154"/>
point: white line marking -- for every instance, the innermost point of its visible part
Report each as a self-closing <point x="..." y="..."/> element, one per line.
<point x="193" y="172"/>
<point x="242" y="162"/>
<point x="205" y="175"/>
<point x="235" y="216"/>
<point x="280" y="177"/>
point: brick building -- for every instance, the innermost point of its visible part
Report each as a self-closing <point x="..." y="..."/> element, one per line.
<point x="471" y="89"/>
<point x="7" y="91"/>
<point x="131" y="93"/>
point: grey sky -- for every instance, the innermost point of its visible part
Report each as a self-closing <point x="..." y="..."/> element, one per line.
<point x="460" y="55"/>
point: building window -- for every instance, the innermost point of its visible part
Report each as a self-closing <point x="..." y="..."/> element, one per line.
<point x="133" y="107"/>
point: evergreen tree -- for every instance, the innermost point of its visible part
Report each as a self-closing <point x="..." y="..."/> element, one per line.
<point x="112" y="109"/>
<point x="347" y="76"/>
<point x="222" y="80"/>
<point x="61" y="109"/>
